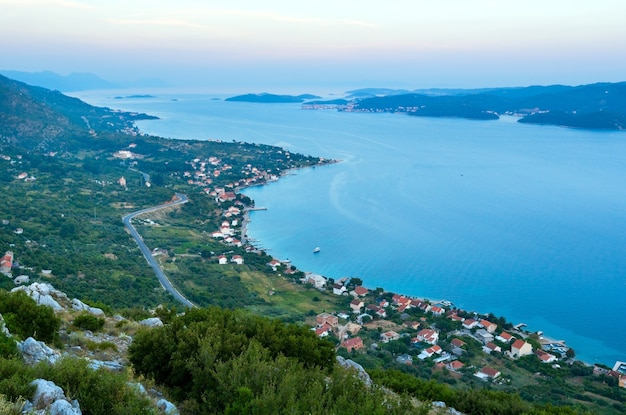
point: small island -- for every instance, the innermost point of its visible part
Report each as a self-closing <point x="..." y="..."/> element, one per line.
<point x="266" y="98"/>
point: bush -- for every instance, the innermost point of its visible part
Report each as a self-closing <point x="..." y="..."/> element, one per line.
<point x="89" y="322"/>
<point x="24" y="318"/>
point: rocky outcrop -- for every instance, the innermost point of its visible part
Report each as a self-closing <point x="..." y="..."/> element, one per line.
<point x="34" y="351"/>
<point x="362" y="374"/>
<point x="51" y="398"/>
<point x="3" y="327"/>
<point x="43" y="294"/>
<point x="80" y="306"/>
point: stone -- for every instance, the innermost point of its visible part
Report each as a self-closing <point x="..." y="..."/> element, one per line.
<point x="80" y="306"/>
<point x="362" y="374"/>
<point x="46" y="393"/>
<point x="42" y="294"/>
<point x="63" y="407"/>
<point x="34" y="351"/>
<point x="167" y="407"/>
<point x="152" y="322"/>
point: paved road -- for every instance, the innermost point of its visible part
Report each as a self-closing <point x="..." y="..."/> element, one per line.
<point x="165" y="282"/>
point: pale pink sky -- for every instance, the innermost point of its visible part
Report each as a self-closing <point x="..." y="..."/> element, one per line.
<point x="275" y="43"/>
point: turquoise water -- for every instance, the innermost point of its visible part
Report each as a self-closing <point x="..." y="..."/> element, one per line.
<point x="523" y="221"/>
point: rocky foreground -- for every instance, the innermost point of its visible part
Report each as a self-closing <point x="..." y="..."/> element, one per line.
<point x="48" y="397"/>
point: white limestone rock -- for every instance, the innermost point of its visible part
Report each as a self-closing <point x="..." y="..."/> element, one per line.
<point x="50" y="398"/>
<point x="80" y="306"/>
<point x="3" y="327"/>
<point x="43" y="294"/>
<point x="363" y="375"/>
<point x="152" y="322"/>
<point x="167" y="407"/>
<point x="34" y="351"/>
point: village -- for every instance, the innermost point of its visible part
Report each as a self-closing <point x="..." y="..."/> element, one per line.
<point x="432" y="333"/>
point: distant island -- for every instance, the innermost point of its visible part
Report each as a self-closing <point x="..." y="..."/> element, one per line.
<point x="135" y="96"/>
<point x="600" y="106"/>
<point x="271" y="98"/>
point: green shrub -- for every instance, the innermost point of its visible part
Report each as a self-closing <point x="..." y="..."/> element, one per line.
<point x="25" y="318"/>
<point x="89" y="322"/>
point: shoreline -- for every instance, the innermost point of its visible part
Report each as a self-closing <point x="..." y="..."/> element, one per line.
<point x="541" y="336"/>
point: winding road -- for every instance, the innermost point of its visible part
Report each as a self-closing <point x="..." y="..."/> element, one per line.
<point x="165" y="282"/>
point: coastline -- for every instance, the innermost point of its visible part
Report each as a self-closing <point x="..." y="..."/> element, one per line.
<point x="543" y="338"/>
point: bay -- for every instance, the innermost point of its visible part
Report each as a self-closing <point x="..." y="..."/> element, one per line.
<point x="523" y="221"/>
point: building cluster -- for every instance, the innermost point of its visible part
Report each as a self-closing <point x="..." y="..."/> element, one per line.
<point x="205" y="171"/>
<point x="427" y="342"/>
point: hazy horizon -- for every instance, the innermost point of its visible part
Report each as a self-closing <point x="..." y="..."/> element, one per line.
<point x="278" y="45"/>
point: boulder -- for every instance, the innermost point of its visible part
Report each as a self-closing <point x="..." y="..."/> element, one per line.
<point x="167" y="407"/>
<point x="51" y="398"/>
<point x="63" y="407"/>
<point x="152" y="322"/>
<point x="80" y="306"/>
<point x="109" y="364"/>
<point x="34" y="351"/>
<point x="46" y="393"/>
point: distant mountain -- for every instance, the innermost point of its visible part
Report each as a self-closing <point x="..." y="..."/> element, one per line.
<point x="271" y="98"/>
<point x="78" y="81"/>
<point x="51" y="80"/>
<point x="373" y="92"/>
<point x="35" y="117"/>
<point x="594" y="106"/>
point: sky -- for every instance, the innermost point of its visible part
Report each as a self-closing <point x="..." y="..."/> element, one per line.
<point x="283" y="44"/>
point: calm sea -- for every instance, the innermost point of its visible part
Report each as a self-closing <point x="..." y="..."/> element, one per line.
<point x="527" y="222"/>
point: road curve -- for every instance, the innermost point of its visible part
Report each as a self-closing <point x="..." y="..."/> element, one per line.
<point x="165" y="282"/>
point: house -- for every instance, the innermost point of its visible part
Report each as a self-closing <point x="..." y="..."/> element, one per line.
<point x="520" y="348"/>
<point x="470" y="323"/>
<point x="454" y="365"/>
<point x="274" y="264"/>
<point x="437" y="311"/>
<point x="360" y="291"/>
<point x="222" y="260"/>
<point x="489" y="326"/>
<point x="356" y="305"/>
<point x="504" y="337"/>
<point x="323" y="331"/>
<point x="484" y="336"/>
<point x="388" y="336"/>
<point x="354" y="343"/>
<point x="227" y="197"/>
<point x="398" y="299"/>
<point x="545" y="357"/>
<point x="491" y="347"/>
<point x="327" y="318"/>
<point x="455" y="317"/>
<point x="405" y="359"/>
<point x="426" y="353"/>
<point x="316" y="280"/>
<point x="237" y="259"/>
<point x="487" y="372"/>
<point x="383" y="303"/>
<point x="429" y="336"/>
<point x="457" y="343"/>
<point x="379" y="311"/>
<point x="339" y="289"/>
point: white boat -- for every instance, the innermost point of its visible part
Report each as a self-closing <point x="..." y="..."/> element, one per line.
<point x="316" y="250"/>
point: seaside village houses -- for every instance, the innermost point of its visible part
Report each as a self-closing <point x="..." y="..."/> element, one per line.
<point x="417" y="319"/>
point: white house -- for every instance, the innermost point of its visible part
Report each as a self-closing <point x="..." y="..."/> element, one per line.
<point x="237" y="259"/>
<point x="222" y="260"/>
